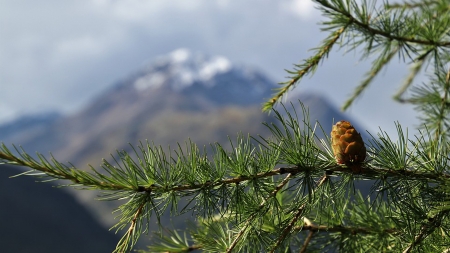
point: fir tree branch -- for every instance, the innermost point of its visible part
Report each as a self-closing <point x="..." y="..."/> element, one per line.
<point x="347" y="17"/>
<point x="156" y="177"/>
<point x="343" y="229"/>
<point x="93" y="180"/>
<point x="312" y="228"/>
<point x="371" y="172"/>
<point x="411" y="5"/>
<point x="370" y="30"/>
<point x="58" y="170"/>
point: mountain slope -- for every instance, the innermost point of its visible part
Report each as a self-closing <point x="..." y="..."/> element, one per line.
<point x="38" y="218"/>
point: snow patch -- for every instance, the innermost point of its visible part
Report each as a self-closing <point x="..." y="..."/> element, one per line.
<point x="180" y="55"/>
<point x="183" y="78"/>
<point x="182" y="68"/>
<point x="152" y="81"/>
<point x="216" y="66"/>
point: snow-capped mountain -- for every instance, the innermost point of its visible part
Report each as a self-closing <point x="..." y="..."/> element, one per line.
<point x="180" y="96"/>
<point x="196" y="74"/>
<point x="182" y="69"/>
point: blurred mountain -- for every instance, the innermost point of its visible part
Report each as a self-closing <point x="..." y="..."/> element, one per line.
<point x="180" y="96"/>
<point x="38" y="218"/>
<point x="183" y="95"/>
<point x="27" y="126"/>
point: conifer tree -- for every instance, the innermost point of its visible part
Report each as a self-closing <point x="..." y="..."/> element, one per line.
<point x="294" y="191"/>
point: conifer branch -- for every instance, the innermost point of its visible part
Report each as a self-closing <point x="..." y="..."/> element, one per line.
<point x="79" y="177"/>
<point x="154" y="176"/>
<point x="343" y="229"/>
<point x="372" y="172"/>
<point x="411" y="5"/>
<point x="58" y="170"/>
<point x="365" y="26"/>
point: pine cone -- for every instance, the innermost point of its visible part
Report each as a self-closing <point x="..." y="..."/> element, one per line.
<point x="347" y="144"/>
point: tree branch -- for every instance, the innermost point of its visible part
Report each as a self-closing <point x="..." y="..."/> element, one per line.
<point x="426" y="229"/>
<point x="342" y="229"/>
<point x="306" y="243"/>
<point x="385" y="34"/>
<point x="96" y="180"/>
<point x="124" y="242"/>
<point x="372" y="172"/>
<point x="60" y="171"/>
<point x="288" y="228"/>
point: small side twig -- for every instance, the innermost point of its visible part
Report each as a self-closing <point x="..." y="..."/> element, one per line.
<point x="124" y="243"/>
<point x="253" y="216"/>
<point x="426" y="229"/>
<point x="306" y="243"/>
<point x="288" y="228"/>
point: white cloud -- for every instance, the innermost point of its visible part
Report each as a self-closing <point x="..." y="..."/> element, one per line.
<point x="83" y="46"/>
<point x="142" y="10"/>
<point x="304" y="9"/>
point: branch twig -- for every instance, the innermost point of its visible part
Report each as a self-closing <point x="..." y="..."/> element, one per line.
<point x="124" y="242"/>
<point x="288" y="228"/>
<point x="372" y="30"/>
<point x="68" y="174"/>
<point x="314" y="61"/>
<point x="253" y="216"/>
<point x="306" y="243"/>
<point x="426" y="229"/>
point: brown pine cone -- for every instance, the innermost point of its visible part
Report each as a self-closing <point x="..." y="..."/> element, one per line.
<point x="347" y="144"/>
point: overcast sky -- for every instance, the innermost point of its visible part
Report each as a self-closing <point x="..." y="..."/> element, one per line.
<point x="61" y="54"/>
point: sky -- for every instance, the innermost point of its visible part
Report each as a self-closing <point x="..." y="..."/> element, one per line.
<point x="59" y="55"/>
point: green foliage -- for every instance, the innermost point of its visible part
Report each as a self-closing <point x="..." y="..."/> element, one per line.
<point x="286" y="193"/>
<point x="244" y="203"/>
<point x="416" y="32"/>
